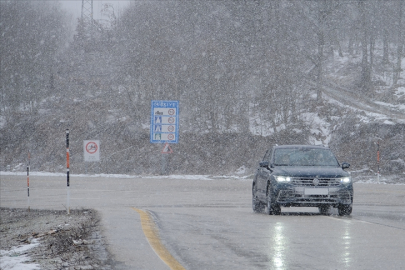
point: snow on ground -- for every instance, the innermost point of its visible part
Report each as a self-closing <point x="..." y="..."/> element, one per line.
<point x="173" y="176"/>
<point x="362" y="179"/>
<point x="382" y="181"/>
<point x="320" y="129"/>
<point x="241" y="170"/>
<point x="399" y="107"/>
<point x="400" y="91"/>
<point x="16" y="258"/>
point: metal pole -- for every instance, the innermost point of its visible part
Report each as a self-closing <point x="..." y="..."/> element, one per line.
<point x="28" y="181"/>
<point x="378" y="161"/>
<point x="67" y="172"/>
<point x="91" y="22"/>
<point x="163" y="163"/>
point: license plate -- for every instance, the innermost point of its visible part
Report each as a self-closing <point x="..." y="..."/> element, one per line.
<point x="316" y="191"/>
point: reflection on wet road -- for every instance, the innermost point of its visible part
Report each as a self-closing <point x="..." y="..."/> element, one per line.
<point x="278" y="247"/>
<point x="346" y="244"/>
<point x="237" y="239"/>
<point x="229" y="235"/>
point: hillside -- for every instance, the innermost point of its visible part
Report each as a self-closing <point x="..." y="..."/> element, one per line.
<point x="350" y="124"/>
<point x="240" y="91"/>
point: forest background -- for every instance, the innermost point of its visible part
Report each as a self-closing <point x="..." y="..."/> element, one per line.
<point x="247" y="74"/>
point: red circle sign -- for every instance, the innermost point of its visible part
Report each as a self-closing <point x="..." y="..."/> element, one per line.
<point x="170" y="136"/>
<point x="170" y="128"/>
<point x="171" y="120"/>
<point x="171" y="111"/>
<point x="91" y="147"/>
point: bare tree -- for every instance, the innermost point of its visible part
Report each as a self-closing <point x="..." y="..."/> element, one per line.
<point x="365" y="81"/>
<point x="33" y="33"/>
<point x="400" y="42"/>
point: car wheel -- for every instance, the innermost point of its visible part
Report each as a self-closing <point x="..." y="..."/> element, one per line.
<point x="257" y="205"/>
<point x="345" y="210"/>
<point x="276" y="209"/>
<point x="271" y="209"/>
<point x="324" y="209"/>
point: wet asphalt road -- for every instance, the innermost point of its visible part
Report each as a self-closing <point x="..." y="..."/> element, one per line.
<point x="210" y="224"/>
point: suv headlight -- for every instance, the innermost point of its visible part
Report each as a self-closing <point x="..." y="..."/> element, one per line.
<point x="345" y="180"/>
<point x="283" y="178"/>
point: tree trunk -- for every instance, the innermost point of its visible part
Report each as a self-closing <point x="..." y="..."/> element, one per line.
<point x="365" y="66"/>
<point x="372" y="46"/>
<point x="321" y="43"/>
<point x="350" y="45"/>
<point x="385" y="47"/>
<point x="397" y="71"/>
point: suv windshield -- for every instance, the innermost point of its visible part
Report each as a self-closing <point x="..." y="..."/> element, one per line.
<point x="304" y="157"/>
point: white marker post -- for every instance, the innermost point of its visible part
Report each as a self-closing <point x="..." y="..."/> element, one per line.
<point x="28" y="181"/>
<point x="67" y="172"/>
<point x="378" y="161"/>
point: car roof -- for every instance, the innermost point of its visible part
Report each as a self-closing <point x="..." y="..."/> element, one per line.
<point x="301" y="146"/>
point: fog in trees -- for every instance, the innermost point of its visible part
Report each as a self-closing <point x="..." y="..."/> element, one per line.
<point x="247" y="74"/>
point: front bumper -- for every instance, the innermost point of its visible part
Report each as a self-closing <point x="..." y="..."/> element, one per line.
<point x="313" y="196"/>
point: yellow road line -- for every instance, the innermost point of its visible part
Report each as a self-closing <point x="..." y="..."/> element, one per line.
<point x="152" y="234"/>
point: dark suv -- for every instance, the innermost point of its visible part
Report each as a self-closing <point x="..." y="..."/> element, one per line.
<point x="302" y="175"/>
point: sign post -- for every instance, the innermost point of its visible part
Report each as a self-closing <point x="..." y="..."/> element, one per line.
<point x="164" y="125"/>
<point x="378" y="161"/>
<point x="67" y="172"/>
<point x="28" y="181"/>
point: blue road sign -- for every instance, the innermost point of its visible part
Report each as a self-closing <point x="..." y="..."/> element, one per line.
<point x="164" y="121"/>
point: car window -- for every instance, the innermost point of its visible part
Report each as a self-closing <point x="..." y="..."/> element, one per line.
<point x="304" y="157"/>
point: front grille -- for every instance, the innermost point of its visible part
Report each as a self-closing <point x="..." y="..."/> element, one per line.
<point x="345" y="195"/>
<point x="309" y="182"/>
<point x="286" y="195"/>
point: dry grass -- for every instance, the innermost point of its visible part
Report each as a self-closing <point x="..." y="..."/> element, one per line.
<point x="66" y="241"/>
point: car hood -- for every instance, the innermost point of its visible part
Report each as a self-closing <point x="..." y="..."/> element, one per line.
<point x="310" y="171"/>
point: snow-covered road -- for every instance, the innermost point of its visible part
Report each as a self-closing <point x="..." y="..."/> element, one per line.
<point x="209" y="224"/>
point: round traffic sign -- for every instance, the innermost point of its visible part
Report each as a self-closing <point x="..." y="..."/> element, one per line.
<point x="170" y="128"/>
<point x="91" y="147"/>
<point x="170" y="136"/>
<point x="170" y="120"/>
<point x="171" y="111"/>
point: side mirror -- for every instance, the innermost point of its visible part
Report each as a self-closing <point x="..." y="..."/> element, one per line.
<point x="345" y="165"/>
<point x="264" y="164"/>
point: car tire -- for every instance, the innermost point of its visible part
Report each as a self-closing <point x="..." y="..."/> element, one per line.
<point x="345" y="209"/>
<point x="271" y="208"/>
<point x="324" y="209"/>
<point x="276" y="209"/>
<point x="257" y="205"/>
